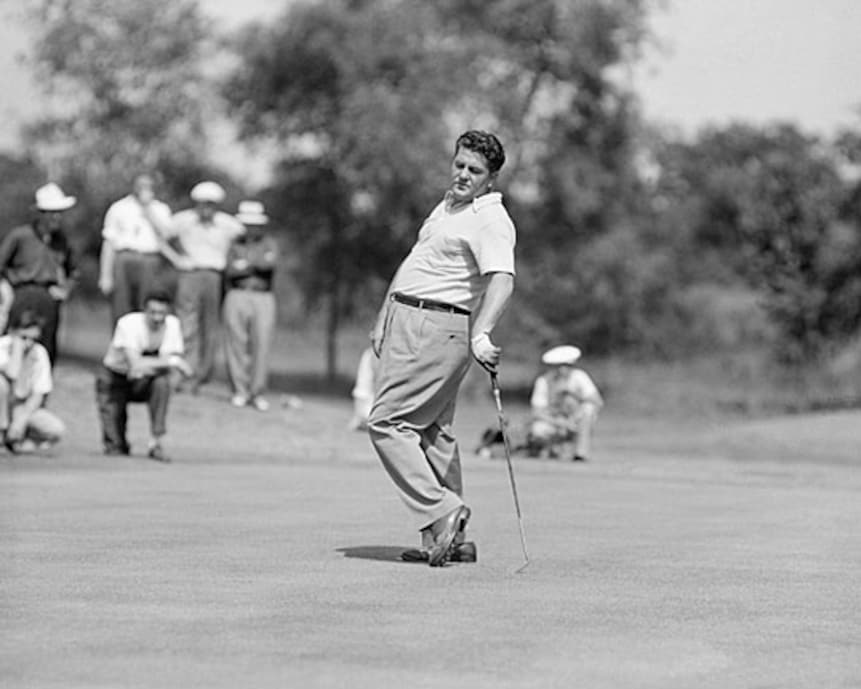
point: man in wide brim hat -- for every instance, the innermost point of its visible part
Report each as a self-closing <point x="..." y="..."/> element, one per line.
<point x="565" y="403"/>
<point x="249" y="306"/>
<point x="36" y="261"/>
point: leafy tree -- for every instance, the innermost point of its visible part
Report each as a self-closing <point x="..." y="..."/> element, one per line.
<point x="368" y="96"/>
<point x="129" y="93"/>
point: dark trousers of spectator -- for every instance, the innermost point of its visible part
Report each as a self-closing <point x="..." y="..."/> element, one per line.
<point x="115" y="391"/>
<point x="135" y="274"/>
<point x="198" y="305"/>
<point x="36" y="298"/>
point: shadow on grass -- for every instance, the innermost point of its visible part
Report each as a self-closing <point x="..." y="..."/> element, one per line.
<point x="385" y="553"/>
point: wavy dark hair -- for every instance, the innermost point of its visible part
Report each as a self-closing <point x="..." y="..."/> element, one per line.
<point x="485" y="143"/>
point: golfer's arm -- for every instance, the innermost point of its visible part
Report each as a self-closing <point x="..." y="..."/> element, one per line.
<point x="496" y="298"/>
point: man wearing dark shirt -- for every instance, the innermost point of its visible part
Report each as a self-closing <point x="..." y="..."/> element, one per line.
<point x="36" y="261"/>
<point x="249" y="307"/>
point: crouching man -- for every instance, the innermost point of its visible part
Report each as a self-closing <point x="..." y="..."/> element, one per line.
<point x="25" y="382"/>
<point x="565" y="404"/>
<point x="146" y="346"/>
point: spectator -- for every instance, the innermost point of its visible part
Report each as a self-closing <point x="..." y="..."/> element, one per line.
<point x="204" y="235"/>
<point x="145" y="347"/>
<point x="36" y="260"/>
<point x="249" y="307"/>
<point x="565" y="404"/>
<point x="25" y="382"/>
<point x="133" y="247"/>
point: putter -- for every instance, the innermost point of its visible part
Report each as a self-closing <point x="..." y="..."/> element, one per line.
<point x="497" y="397"/>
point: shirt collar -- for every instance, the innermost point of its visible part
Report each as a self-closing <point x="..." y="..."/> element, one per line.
<point x="491" y="198"/>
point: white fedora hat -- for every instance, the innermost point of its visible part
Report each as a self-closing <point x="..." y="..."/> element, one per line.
<point x="51" y="198"/>
<point x="561" y="356"/>
<point x="251" y="213"/>
<point x="210" y="192"/>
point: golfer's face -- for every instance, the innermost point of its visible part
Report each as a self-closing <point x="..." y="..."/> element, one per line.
<point x="206" y="211"/>
<point x="51" y="220"/>
<point x="470" y="176"/>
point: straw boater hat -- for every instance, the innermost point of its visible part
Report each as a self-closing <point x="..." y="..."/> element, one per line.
<point x="565" y="355"/>
<point x="207" y="192"/>
<point x="252" y="213"/>
<point x="51" y="198"/>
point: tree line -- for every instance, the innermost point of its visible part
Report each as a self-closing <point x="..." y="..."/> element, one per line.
<point x="630" y="239"/>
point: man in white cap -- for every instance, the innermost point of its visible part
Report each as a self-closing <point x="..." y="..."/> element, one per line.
<point x="203" y="235"/>
<point x="249" y="307"/>
<point x="443" y="303"/>
<point x="565" y="403"/>
<point x="37" y="262"/>
<point x="133" y="248"/>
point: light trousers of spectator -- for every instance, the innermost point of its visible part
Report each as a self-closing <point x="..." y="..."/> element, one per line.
<point x="586" y="418"/>
<point x="425" y="355"/>
<point x="198" y="304"/>
<point x="249" y="322"/>
<point x="42" y="425"/>
<point x="135" y="274"/>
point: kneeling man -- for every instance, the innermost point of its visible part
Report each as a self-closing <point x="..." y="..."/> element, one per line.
<point x="145" y="347"/>
<point x="25" y="382"/>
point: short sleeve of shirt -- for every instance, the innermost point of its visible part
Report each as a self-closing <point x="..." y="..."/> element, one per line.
<point x="41" y="382"/>
<point x="127" y="334"/>
<point x="582" y="385"/>
<point x="493" y="246"/>
<point x="540" y="394"/>
<point x="111" y="229"/>
<point x="172" y="342"/>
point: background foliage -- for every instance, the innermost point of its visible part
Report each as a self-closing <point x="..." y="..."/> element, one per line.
<point x="630" y="239"/>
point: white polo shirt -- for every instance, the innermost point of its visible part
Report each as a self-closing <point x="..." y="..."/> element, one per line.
<point x="132" y="333"/>
<point x="456" y="251"/>
<point x="206" y="244"/>
<point x="128" y="229"/>
<point x="35" y="374"/>
<point x="556" y="396"/>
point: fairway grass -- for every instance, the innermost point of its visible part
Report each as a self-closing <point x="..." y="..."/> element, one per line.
<point x="266" y="555"/>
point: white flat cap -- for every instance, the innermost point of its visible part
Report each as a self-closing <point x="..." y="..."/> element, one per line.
<point x="207" y="191"/>
<point x="51" y="198"/>
<point x="561" y="356"/>
<point x="251" y="213"/>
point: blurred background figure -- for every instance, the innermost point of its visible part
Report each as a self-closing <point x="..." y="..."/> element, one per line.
<point x="204" y="235"/>
<point x="37" y="262"/>
<point x="363" y="390"/>
<point x="146" y="346"/>
<point x="132" y="247"/>
<point x="25" y="382"/>
<point x="565" y="403"/>
<point x="249" y="307"/>
<point x="7" y="296"/>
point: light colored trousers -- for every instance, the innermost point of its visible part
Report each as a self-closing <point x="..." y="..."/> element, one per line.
<point x="425" y="355"/>
<point x="586" y="418"/>
<point x="249" y="321"/>
<point x="42" y="426"/>
<point x="198" y="304"/>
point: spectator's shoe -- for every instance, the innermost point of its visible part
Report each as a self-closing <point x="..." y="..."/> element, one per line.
<point x="578" y="458"/>
<point x="460" y="552"/>
<point x="444" y="532"/>
<point x="239" y="400"/>
<point x="158" y="454"/>
<point x="114" y="450"/>
<point x="260" y="403"/>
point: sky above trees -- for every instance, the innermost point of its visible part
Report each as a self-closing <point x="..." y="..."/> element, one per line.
<point x="715" y="62"/>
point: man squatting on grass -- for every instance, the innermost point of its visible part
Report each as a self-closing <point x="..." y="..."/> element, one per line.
<point x="445" y="299"/>
<point x="146" y="346"/>
<point x="25" y="382"/>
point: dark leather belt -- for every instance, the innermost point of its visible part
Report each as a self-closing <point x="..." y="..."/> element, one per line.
<point x="429" y="304"/>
